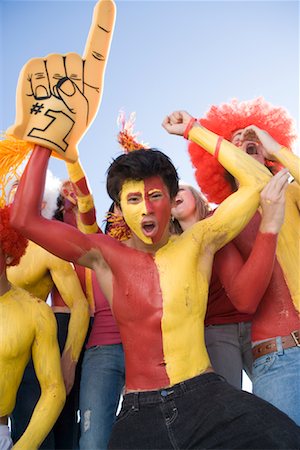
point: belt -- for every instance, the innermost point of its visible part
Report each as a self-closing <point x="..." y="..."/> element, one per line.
<point x="291" y="340"/>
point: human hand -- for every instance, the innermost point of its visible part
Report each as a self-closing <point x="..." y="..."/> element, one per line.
<point x="68" y="191"/>
<point x="177" y="122"/>
<point x="68" y="368"/>
<point x="58" y="96"/>
<point x="272" y="201"/>
<point x="269" y="145"/>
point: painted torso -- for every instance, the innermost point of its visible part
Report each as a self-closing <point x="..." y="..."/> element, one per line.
<point x="17" y="332"/>
<point x="32" y="273"/>
<point x="276" y="314"/>
<point x="159" y="303"/>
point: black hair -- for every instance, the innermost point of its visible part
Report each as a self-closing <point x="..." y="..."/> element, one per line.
<point x="140" y="165"/>
<point x="59" y="212"/>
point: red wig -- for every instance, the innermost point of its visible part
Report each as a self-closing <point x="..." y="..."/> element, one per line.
<point x="12" y="243"/>
<point x="215" y="182"/>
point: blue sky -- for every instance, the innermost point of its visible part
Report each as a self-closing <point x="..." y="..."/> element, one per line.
<point x="164" y="56"/>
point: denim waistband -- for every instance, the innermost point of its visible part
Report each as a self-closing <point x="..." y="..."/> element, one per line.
<point x="134" y="399"/>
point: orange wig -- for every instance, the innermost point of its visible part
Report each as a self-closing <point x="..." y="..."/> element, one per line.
<point x="215" y="182"/>
<point x="12" y="242"/>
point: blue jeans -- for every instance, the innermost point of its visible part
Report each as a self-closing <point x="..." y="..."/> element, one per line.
<point x="204" y="412"/>
<point x="6" y="442"/>
<point x="229" y="349"/>
<point x="102" y="381"/>
<point x="276" y="378"/>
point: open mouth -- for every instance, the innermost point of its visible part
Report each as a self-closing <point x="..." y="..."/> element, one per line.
<point x="251" y="148"/>
<point x="148" y="228"/>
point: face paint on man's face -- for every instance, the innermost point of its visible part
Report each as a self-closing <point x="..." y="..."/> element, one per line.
<point x="249" y="144"/>
<point x="146" y="208"/>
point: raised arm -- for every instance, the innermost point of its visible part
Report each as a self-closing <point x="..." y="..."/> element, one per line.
<point x="247" y="171"/>
<point x="236" y="211"/>
<point x="274" y="151"/>
<point x="246" y="281"/>
<point x="69" y="287"/>
<point x="67" y="89"/>
<point x="86" y="219"/>
<point x="63" y="240"/>
<point x="46" y="359"/>
<point x="289" y="160"/>
<point x="68" y="107"/>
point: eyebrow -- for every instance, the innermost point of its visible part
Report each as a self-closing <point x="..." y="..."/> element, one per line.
<point x="153" y="191"/>
<point x="237" y="134"/>
<point x="133" y="193"/>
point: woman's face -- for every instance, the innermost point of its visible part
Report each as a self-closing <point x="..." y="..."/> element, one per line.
<point x="185" y="204"/>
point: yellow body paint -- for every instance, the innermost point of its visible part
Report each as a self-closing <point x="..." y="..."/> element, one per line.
<point x="289" y="238"/>
<point x="37" y="273"/>
<point x="191" y="256"/>
<point x="183" y="320"/>
<point x="133" y="213"/>
<point x="27" y="325"/>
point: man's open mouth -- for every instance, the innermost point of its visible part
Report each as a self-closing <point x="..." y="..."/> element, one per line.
<point x="251" y="148"/>
<point x="148" y="228"/>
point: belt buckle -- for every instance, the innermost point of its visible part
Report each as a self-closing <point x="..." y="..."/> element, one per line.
<point x="296" y="338"/>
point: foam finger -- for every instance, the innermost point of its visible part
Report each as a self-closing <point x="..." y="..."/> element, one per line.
<point x="38" y="82"/>
<point x="74" y="69"/>
<point x="56" y="70"/>
<point x="98" y="42"/>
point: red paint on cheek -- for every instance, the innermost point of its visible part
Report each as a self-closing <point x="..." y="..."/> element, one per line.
<point x="160" y="208"/>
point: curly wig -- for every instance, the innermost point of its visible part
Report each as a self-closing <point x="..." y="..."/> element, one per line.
<point x="215" y="182"/>
<point x="12" y="243"/>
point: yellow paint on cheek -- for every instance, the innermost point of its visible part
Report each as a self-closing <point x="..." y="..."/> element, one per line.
<point x="133" y="213"/>
<point x="184" y="287"/>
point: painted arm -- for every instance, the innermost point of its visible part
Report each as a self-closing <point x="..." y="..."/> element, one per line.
<point x="289" y="160"/>
<point x="246" y="282"/>
<point x="58" y="238"/>
<point x="236" y="211"/>
<point x="46" y="359"/>
<point x="274" y="151"/>
<point x="272" y="200"/>
<point x="69" y="106"/>
<point x="69" y="287"/>
<point x="292" y="162"/>
<point x="86" y="220"/>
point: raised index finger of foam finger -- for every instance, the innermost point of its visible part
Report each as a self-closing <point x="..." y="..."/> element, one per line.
<point x="98" y="42"/>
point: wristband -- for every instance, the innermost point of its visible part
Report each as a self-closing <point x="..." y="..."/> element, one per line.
<point x="189" y="127"/>
<point x="218" y="145"/>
